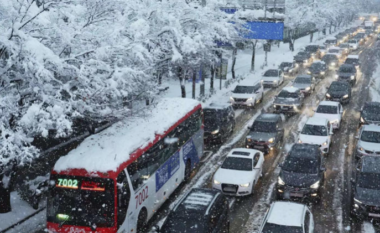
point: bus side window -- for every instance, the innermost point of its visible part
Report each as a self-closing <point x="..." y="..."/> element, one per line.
<point x="123" y="198"/>
<point x="138" y="171"/>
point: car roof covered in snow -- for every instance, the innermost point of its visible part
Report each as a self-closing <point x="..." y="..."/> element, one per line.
<point x="374" y="128"/>
<point x="108" y="150"/>
<point x="334" y="48"/>
<point x="248" y="82"/>
<point x="268" y="117"/>
<point x="331" y="38"/>
<point x="217" y="106"/>
<point x="286" y="213"/>
<point x="370" y="164"/>
<point x="197" y="201"/>
<point x="316" y="121"/>
<point x="242" y="153"/>
<point x="317" y="62"/>
<point x="353" y="56"/>
<point x="329" y="103"/>
<point x="290" y="89"/>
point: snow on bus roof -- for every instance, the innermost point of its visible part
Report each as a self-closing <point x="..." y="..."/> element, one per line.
<point x="107" y="150"/>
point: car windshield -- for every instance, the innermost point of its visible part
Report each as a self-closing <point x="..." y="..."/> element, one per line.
<point x="351" y="61"/>
<point x="334" y="51"/>
<point x="299" y="164"/>
<point x="211" y="118"/>
<point x="329" y="57"/>
<point x="286" y="94"/>
<point x="302" y="80"/>
<point x="244" y="89"/>
<point x="371" y="109"/>
<point x="370" y="136"/>
<point x="330" y="41"/>
<point x="274" y="228"/>
<point x="369" y="180"/>
<point x="262" y="126"/>
<point x="338" y="87"/>
<point x="327" y="109"/>
<point x="322" y="47"/>
<point x="240" y="164"/>
<point x="286" y="64"/>
<point x="271" y="73"/>
<point x="344" y="45"/>
<point x="181" y="222"/>
<point x="311" y="48"/>
<point x="352" y="41"/>
<point x="314" y="130"/>
<point x="91" y="202"/>
<point x="345" y="69"/>
<point x="303" y="54"/>
<point x="317" y="65"/>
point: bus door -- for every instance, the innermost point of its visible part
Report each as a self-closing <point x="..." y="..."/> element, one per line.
<point x="123" y="199"/>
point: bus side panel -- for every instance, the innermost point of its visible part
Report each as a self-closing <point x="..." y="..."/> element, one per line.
<point x="193" y="149"/>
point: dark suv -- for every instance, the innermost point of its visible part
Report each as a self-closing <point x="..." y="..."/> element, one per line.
<point x="201" y="211"/>
<point x="266" y="133"/>
<point x="347" y="73"/>
<point x="370" y="113"/>
<point x="219" y="122"/>
<point x="365" y="202"/>
<point x="302" y="173"/>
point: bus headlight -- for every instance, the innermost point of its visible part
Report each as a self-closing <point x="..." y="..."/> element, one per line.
<point x="315" y="185"/>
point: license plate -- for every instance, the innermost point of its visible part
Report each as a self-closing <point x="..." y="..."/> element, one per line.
<point x="374" y="215"/>
<point x="336" y="99"/>
<point x="228" y="189"/>
<point x="296" y="194"/>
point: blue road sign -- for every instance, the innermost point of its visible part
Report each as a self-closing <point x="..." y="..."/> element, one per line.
<point x="263" y="31"/>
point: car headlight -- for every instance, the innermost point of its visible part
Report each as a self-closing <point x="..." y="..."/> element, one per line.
<point x="324" y="144"/>
<point x="328" y="95"/>
<point x="216" y="182"/>
<point x="336" y="76"/>
<point x="352" y="77"/>
<point x="345" y="96"/>
<point x="280" y="181"/>
<point x="334" y="121"/>
<point x="307" y="89"/>
<point x="215" y="131"/>
<point x="309" y="72"/>
<point x="362" y="120"/>
<point x="274" y="106"/>
<point x="315" y="185"/>
<point x="249" y="139"/>
<point x="299" y="141"/>
<point x="244" y="185"/>
<point x="271" y="140"/>
<point x="249" y="99"/>
<point x="304" y="61"/>
<point x="232" y="99"/>
<point x="333" y="63"/>
<point x="275" y="81"/>
<point x="361" y="149"/>
<point x="322" y="73"/>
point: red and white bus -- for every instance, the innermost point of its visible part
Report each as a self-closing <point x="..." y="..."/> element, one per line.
<point x="116" y="180"/>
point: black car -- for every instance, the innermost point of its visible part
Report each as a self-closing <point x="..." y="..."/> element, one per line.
<point x="370" y="113"/>
<point x="266" y="133"/>
<point x="353" y="60"/>
<point x="331" y="42"/>
<point x="347" y="73"/>
<point x="303" y="57"/>
<point x="288" y="68"/>
<point x="318" y="69"/>
<point x="365" y="202"/>
<point x="205" y="210"/>
<point x="314" y="50"/>
<point x="331" y="60"/>
<point x="302" y="173"/>
<point x="219" y="122"/>
<point x="339" y="91"/>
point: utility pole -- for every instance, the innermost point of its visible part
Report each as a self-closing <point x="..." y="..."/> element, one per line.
<point x="265" y="9"/>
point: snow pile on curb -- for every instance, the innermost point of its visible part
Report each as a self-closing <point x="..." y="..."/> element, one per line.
<point x="375" y="85"/>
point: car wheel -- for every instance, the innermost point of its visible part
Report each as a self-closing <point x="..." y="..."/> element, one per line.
<point x="187" y="171"/>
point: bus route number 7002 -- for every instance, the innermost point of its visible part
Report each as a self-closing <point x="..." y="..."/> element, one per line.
<point x="142" y="196"/>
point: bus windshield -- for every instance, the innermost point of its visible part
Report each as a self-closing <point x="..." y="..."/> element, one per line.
<point x="90" y="202"/>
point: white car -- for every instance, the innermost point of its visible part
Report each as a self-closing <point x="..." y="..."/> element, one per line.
<point x="368" y="141"/>
<point x="247" y="93"/>
<point x="272" y="78"/>
<point x="317" y="131"/>
<point x="337" y="51"/>
<point x="288" y="217"/>
<point x="354" y="44"/>
<point x="332" y="111"/>
<point x="239" y="172"/>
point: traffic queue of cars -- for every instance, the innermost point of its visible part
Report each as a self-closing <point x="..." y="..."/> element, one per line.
<point x="302" y="175"/>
